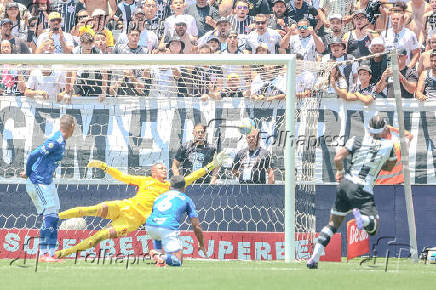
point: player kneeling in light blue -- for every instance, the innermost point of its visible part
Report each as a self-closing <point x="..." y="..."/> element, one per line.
<point x="164" y="222"/>
<point x="40" y="167"/>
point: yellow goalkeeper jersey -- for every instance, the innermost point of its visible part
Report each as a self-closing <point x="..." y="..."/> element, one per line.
<point x="149" y="188"/>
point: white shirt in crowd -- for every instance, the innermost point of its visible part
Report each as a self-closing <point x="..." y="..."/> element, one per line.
<point x="304" y="46"/>
<point x="191" y="24"/>
<point x="53" y="84"/>
<point x="271" y="38"/>
<point x="147" y="39"/>
<point x="68" y="39"/>
<point x="405" y="39"/>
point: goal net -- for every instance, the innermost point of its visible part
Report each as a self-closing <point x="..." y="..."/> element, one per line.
<point x="133" y="116"/>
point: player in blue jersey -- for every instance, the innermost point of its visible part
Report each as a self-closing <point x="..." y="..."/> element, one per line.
<point x="164" y="222"/>
<point x="40" y="167"/>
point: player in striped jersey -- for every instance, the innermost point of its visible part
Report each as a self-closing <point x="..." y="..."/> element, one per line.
<point x="368" y="155"/>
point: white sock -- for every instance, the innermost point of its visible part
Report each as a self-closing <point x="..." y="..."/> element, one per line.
<point x="365" y="220"/>
<point x="51" y="251"/>
<point x="318" y="251"/>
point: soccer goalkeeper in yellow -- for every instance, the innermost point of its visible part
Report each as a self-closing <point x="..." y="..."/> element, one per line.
<point x="128" y="214"/>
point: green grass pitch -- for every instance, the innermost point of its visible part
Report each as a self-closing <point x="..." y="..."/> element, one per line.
<point x="233" y="275"/>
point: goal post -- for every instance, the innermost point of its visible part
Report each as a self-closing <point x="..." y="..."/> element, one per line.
<point x="75" y="62"/>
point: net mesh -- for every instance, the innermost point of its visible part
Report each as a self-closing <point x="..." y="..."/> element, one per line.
<point x="133" y="117"/>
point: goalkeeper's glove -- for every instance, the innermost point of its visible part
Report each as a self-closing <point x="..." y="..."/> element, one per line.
<point x="98" y="164"/>
<point x="217" y="161"/>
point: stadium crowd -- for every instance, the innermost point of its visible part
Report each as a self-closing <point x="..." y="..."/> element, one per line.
<point x="356" y="34"/>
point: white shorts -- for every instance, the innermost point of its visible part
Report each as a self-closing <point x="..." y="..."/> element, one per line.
<point x="170" y="238"/>
<point x="44" y="197"/>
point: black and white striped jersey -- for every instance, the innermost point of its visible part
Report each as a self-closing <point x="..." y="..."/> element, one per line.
<point x="368" y="155"/>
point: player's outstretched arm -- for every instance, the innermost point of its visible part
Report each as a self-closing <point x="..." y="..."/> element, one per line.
<point x="198" y="233"/>
<point x="217" y="161"/>
<point x="115" y="173"/>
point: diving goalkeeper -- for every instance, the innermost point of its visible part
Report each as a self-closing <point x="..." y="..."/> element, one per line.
<point x="129" y="214"/>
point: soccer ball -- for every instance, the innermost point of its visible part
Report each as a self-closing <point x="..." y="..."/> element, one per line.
<point x="73" y="224"/>
<point x="246" y="125"/>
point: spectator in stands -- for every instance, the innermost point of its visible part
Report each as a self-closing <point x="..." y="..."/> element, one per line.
<point x="253" y="164"/>
<point x="426" y="88"/>
<point x="124" y="12"/>
<point x="359" y="39"/>
<point x="378" y="64"/>
<point x="41" y="10"/>
<point x="32" y="33"/>
<point x="194" y="155"/>
<point x="176" y="45"/>
<point x="178" y="6"/>
<point x="233" y="87"/>
<point x="233" y="44"/>
<point x="205" y="81"/>
<point x="204" y="14"/>
<point x="306" y="43"/>
<point x="279" y="21"/>
<point x="269" y="84"/>
<point x="263" y="34"/>
<point x="99" y="21"/>
<point x="336" y="27"/>
<point x="214" y="44"/>
<point x="101" y="43"/>
<point x="424" y="59"/>
<point x="11" y="81"/>
<point x="46" y="84"/>
<point x="408" y="79"/>
<point x="364" y="91"/>
<point x="262" y="48"/>
<point x="13" y="13"/>
<point x="68" y="10"/>
<point x="92" y="5"/>
<point x="220" y="33"/>
<point x="82" y="20"/>
<point x="148" y="39"/>
<point x="180" y="30"/>
<point x="400" y="37"/>
<point x="153" y="22"/>
<point x="304" y="81"/>
<point x="419" y="10"/>
<point x="346" y="72"/>
<point x="303" y="10"/>
<point x="89" y="83"/>
<point x="129" y="82"/>
<point x="240" y="20"/>
<point x="6" y="34"/>
<point x="63" y="41"/>
<point x="430" y="21"/>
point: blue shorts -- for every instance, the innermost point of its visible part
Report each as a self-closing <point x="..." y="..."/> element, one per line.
<point x="170" y="238"/>
<point x="44" y="197"/>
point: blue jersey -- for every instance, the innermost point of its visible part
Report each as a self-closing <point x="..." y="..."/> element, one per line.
<point x="44" y="160"/>
<point x="168" y="209"/>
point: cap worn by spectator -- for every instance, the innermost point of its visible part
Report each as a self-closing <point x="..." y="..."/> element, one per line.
<point x="12" y="5"/>
<point x="262" y="45"/>
<point x="337" y="40"/>
<point x="98" y="12"/>
<point x="358" y="12"/>
<point x="232" y="76"/>
<point x="433" y="53"/>
<point x="5" y="21"/>
<point x="233" y="32"/>
<point x="402" y="51"/>
<point x="178" y="182"/>
<point x="213" y="38"/>
<point x="276" y="1"/>
<point x="365" y="68"/>
<point x="180" y="20"/>
<point x="375" y="41"/>
<point x="222" y="20"/>
<point x="54" y="16"/>
<point x="138" y="11"/>
<point x="176" y="38"/>
<point x="335" y="16"/>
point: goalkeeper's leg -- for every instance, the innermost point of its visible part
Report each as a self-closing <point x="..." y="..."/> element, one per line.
<point x="106" y="210"/>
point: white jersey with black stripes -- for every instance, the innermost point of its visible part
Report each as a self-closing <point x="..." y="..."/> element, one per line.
<point x="368" y="155"/>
